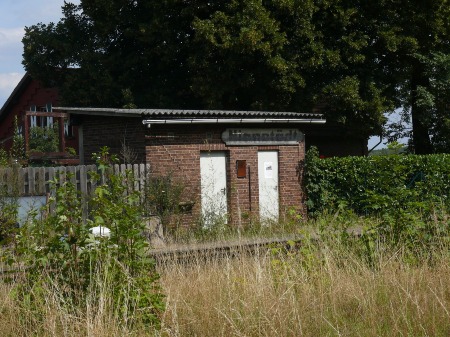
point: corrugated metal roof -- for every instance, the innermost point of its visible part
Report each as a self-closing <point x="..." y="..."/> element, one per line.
<point x="169" y="113"/>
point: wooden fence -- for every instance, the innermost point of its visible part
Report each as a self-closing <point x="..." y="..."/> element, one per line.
<point x="38" y="181"/>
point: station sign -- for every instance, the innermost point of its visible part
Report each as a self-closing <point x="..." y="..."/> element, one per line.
<point x="246" y="136"/>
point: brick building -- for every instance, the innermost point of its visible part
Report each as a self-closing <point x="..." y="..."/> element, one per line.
<point x="234" y="165"/>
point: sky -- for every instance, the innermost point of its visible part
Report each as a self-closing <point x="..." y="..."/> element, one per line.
<point x="15" y="15"/>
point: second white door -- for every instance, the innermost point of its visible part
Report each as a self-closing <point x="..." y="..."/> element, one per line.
<point x="268" y="185"/>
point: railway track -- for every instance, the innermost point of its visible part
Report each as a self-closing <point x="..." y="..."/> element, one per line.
<point x="193" y="253"/>
<point x="202" y="252"/>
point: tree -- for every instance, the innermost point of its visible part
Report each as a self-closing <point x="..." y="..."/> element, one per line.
<point x="289" y="55"/>
<point x="354" y="58"/>
<point x="113" y="53"/>
<point x="436" y="99"/>
<point x="411" y="33"/>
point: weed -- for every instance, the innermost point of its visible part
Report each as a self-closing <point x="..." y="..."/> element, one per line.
<point x="61" y="252"/>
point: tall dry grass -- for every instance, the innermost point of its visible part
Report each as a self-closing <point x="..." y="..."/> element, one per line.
<point x="46" y="312"/>
<point x="320" y="290"/>
<point x="330" y="294"/>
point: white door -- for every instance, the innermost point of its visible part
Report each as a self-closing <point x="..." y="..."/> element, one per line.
<point x="268" y="185"/>
<point x="213" y="188"/>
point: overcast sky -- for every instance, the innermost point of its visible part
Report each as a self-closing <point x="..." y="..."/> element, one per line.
<point x="15" y="15"/>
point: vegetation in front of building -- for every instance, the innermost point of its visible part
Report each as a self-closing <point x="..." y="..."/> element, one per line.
<point x="323" y="285"/>
<point x="406" y="194"/>
<point x="9" y="192"/>
<point x="44" y="139"/>
<point x="65" y="262"/>
<point x="379" y="184"/>
<point x="359" y="265"/>
<point x="162" y="197"/>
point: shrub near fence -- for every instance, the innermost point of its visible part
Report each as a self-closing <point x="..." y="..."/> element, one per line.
<point x="23" y="189"/>
<point x="378" y="185"/>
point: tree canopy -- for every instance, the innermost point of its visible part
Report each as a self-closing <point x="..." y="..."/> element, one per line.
<point x="417" y="49"/>
<point x="355" y="59"/>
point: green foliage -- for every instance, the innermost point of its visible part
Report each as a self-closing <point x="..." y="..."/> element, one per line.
<point x="3" y="158"/>
<point x="369" y="184"/>
<point x="9" y="206"/>
<point x="278" y="55"/>
<point x="242" y="35"/>
<point x="70" y="151"/>
<point x="392" y="148"/>
<point x="162" y="196"/>
<point x="128" y="99"/>
<point x="435" y="97"/>
<point x="17" y="151"/>
<point x="44" y="139"/>
<point x="60" y="249"/>
<point x="410" y="35"/>
<point x="361" y="58"/>
<point x="408" y="193"/>
<point x="395" y="147"/>
<point x="8" y="223"/>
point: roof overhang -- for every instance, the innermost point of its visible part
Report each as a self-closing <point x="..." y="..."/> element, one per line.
<point x="169" y="116"/>
<point x="149" y="122"/>
<point x="100" y="112"/>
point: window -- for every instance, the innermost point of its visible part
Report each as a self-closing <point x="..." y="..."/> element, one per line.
<point x="68" y="130"/>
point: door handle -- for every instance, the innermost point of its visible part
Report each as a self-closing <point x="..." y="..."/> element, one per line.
<point x="223" y="190"/>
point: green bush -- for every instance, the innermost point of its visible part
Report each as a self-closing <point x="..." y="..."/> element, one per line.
<point x="60" y="250"/>
<point x="408" y="194"/>
<point x="162" y="196"/>
<point x="9" y="205"/>
<point x="377" y="185"/>
<point x="44" y="139"/>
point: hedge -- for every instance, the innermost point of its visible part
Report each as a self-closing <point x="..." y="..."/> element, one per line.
<point x="379" y="184"/>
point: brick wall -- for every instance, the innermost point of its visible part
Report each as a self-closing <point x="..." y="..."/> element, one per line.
<point x="176" y="150"/>
<point x="112" y="132"/>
